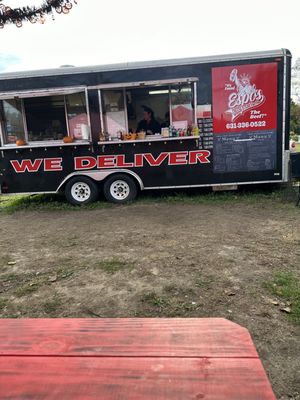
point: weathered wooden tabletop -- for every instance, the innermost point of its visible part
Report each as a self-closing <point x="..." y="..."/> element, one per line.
<point x="120" y="359"/>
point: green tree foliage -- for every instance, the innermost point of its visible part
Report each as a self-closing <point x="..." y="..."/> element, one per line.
<point x="295" y="119"/>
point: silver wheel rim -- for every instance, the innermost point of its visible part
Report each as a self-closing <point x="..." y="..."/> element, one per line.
<point x="80" y="191"/>
<point x="119" y="190"/>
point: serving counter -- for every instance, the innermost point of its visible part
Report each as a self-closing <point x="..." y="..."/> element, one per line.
<point x="152" y="139"/>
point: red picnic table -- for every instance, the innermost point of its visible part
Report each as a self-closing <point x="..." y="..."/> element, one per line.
<point x="120" y="359"/>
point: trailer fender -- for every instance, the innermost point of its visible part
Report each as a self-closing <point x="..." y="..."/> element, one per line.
<point x="100" y="176"/>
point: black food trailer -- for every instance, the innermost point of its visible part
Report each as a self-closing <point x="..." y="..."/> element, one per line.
<point x="218" y="121"/>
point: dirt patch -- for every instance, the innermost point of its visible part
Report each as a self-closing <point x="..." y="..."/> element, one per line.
<point x="162" y="260"/>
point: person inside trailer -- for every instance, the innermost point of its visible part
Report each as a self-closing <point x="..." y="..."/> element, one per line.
<point x="166" y="122"/>
<point x="148" y="123"/>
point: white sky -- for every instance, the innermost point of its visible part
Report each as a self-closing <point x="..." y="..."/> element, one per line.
<point x="104" y="32"/>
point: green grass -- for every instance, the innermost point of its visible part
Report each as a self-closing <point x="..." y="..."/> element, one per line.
<point x="43" y="202"/>
<point x="51" y="306"/>
<point x="27" y="289"/>
<point x="153" y="299"/>
<point x="3" y="303"/>
<point x="11" y="204"/>
<point x="23" y="284"/>
<point x="244" y="195"/>
<point x="286" y="286"/>
<point x="298" y="147"/>
<point x="10" y="277"/>
<point x="64" y="272"/>
<point x="113" y="266"/>
<point x="172" y="303"/>
<point x="205" y="282"/>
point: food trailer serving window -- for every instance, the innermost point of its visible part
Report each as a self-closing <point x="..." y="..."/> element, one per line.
<point x="173" y="103"/>
<point x="45" y="116"/>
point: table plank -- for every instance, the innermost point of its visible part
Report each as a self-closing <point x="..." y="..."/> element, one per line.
<point x="112" y="378"/>
<point x="161" y="337"/>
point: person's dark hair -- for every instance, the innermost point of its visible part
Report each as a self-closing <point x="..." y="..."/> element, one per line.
<point x="149" y="110"/>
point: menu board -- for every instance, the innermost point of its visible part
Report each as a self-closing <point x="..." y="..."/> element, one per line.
<point x="246" y="151"/>
<point x="205" y="126"/>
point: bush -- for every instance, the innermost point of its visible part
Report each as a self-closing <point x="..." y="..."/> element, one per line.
<point x="294" y="136"/>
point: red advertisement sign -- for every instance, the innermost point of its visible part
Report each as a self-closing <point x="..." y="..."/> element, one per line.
<point x="244" y="98"/>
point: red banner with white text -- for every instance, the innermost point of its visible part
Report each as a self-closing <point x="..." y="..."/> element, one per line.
<point x="244" y="98"/>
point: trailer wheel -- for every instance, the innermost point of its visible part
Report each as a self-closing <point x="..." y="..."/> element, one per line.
<point x="120" y="188"/>
<point x="81" y="190"/>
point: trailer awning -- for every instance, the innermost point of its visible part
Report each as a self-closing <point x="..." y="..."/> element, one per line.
<point x="161" y="82"/>
<point x="41" y="93"/>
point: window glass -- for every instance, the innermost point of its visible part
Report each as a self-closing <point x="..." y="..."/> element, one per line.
<point x="77" y="116"/>
<point x="113" y="112"/>
<point x="12" y="121"/>
<point x="155" y="98"/>
<point x="182" y="106"/>
<point x="46" y="118"/>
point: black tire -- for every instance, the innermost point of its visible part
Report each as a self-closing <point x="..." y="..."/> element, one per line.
<point x="120" y="188"/>
<point x="81" y="190"/>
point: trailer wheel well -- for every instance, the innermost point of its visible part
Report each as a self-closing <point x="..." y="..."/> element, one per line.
<point x="138" y="184"/>
<point x="61" y="188"/>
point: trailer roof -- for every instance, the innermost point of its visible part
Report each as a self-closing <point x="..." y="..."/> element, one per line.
<point x="143" y="64"/>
